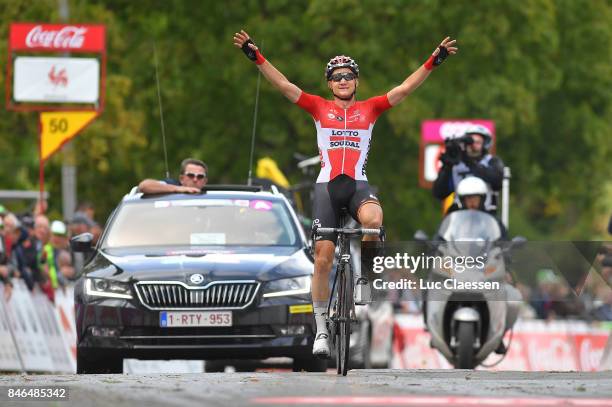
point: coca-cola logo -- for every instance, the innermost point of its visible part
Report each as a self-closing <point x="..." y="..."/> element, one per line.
<point x="67" y="37"/>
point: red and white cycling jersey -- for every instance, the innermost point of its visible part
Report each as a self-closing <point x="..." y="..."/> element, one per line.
<point x="343" y="135"/>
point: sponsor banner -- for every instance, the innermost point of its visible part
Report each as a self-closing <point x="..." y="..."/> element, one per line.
<point x="56" y="80"/>
<point x="606" y="360"/>
<point x="28" y="334"/>
<point x="9" y="357"/>
<point x="537" y="345"/>
<point x="590" y="350"/>
<point x="57" y="37"/>
<point x="49" y="324"/>
<point x="436" y="131"/>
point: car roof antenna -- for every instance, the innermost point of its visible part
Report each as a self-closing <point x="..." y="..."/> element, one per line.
<point x="250" y="177"/>
<point x="161" y="111"/>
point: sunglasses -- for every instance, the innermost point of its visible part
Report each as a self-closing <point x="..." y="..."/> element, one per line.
<point x="348" y="76"/>
<point x="191" y="175"/>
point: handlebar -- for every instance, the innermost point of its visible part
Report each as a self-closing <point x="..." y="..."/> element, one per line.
<point x="349" y="231"/>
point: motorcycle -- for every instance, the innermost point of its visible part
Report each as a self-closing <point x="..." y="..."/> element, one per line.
<point x="467" y="324"/>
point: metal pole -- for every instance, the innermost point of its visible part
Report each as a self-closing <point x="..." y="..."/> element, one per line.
<point x="506" y="197"/>
<point x="69" y="171"/>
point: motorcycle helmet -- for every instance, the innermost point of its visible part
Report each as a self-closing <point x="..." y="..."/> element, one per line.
<point x="471" y="186"/>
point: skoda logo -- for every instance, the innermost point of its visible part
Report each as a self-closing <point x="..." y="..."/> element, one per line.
<point x="196" y="278"/>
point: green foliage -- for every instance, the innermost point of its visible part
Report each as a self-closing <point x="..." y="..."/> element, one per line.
<point x="539" y="68"/>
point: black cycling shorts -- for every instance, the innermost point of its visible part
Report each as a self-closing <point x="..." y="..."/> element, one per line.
<point x="330" y="197"/>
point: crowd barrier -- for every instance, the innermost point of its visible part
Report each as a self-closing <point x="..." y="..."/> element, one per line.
<point x="37" y="335"/>
<point x="537" y="345"/>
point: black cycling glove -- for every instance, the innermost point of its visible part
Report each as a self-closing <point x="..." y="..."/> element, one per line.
<point x="441" y="56"/>
<point x="248" y="51"/>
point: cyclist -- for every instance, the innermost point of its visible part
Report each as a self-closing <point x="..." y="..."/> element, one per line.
<point x="344" y="129"/>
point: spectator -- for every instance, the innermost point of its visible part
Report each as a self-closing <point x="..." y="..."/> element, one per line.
<point x="80" y="224"/>
<point x="61" y="246"/>
<point x="25" y="253"/>
<point x="85" y="209"/>
<point x="193" y="176"/>
<point x="59" y="235"/>
<point x="603" y="310"/>
<point x="5" y="271"/>
<point x="46" y="259"/>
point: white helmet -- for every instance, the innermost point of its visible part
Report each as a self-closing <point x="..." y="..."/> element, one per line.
<point x="341" y="61"/>
<point x="471" y="186"/>
<point x="483" y="131"/>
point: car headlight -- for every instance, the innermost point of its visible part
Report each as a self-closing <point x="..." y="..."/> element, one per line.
<point x="99" y="287"/>
<point x="287" y="286"/>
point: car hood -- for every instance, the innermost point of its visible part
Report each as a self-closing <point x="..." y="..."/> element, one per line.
<point x="242" y="264"/>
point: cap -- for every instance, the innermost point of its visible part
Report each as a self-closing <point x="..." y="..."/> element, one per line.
<point x="58" y="227"/>
<point x="3" y="210"/>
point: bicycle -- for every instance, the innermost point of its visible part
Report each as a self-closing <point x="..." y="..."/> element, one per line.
<point x="341" y="300"/>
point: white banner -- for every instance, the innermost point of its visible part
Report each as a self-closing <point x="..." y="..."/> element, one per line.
<point x="47" y="315"/>
<point x="59" y="80"/>
<point x="9" y="357"/>
<point x="28" y="334"/>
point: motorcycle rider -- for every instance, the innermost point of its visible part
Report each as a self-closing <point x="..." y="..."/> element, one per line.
<point x="469" y="156"/>
<point x="471" y="195"/>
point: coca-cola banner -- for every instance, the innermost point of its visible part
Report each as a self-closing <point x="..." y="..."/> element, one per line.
<point x="57" y="37"/>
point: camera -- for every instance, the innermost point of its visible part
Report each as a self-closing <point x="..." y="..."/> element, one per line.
<point x="454" y="148"/>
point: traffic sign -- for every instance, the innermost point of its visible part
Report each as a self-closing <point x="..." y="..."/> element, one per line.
<point x="57" y="128"/>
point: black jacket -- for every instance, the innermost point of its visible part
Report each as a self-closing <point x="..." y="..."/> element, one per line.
<point x="492" y="174"/>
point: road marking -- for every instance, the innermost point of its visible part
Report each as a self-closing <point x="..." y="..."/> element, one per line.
<point x="435" y="401"/>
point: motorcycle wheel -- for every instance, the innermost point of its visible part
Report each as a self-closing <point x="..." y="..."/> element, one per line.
<point x="465" y="350"/>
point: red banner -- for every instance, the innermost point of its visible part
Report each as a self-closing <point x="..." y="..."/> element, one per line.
<point x="57" y="37"/>
<point x="536" y="346"/>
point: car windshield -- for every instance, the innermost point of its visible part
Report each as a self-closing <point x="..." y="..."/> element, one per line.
<point x="202" y="222"/>
<point x="469" y="225"/>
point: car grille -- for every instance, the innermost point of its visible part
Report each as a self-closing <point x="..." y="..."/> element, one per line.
<point x="216" y="295"/>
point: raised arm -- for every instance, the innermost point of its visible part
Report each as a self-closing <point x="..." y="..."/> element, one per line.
<point x="400" y="92"/>
<point x="273" y="75"/>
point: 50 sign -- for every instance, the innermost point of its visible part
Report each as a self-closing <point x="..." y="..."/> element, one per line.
<point x="57" y="128"/>
<point x="58" y="125"/>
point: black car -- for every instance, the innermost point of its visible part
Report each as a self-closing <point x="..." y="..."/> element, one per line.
<point x="224" y="274"/>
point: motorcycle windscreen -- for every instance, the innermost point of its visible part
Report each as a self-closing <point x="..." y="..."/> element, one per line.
<point x="477" y="229"/>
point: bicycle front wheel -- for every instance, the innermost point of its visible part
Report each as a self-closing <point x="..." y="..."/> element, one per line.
<point x="345" y="298"/>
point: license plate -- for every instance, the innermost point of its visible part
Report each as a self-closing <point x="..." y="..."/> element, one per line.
<point x="197" y="318"/>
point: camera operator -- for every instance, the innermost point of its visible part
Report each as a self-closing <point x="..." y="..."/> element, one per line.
<point x="468" y="155"/>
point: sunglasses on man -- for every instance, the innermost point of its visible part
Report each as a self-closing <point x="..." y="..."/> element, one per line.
<point x="192" y="175"/>
<point x="348" y="76"/>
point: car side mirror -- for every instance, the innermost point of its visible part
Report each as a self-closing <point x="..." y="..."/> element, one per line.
<point x="82" y="243"/>
<point x="420" y="236"/>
